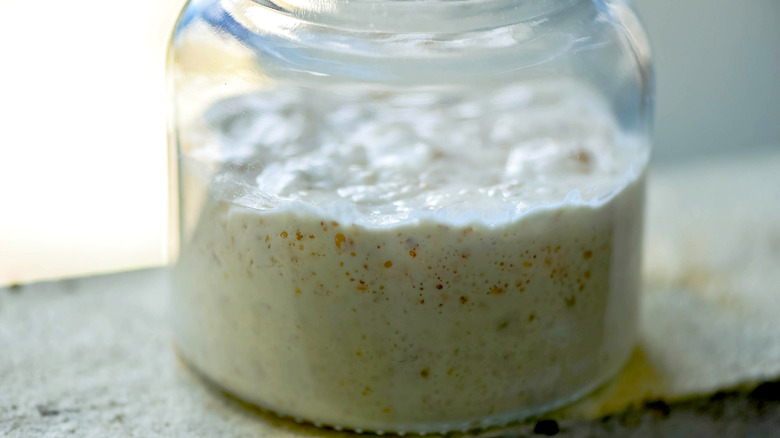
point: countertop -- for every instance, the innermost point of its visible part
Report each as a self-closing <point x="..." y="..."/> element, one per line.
<point x="92" y="357"/>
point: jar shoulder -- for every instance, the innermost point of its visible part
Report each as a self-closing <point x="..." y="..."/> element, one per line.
<point x="585" y="35"/>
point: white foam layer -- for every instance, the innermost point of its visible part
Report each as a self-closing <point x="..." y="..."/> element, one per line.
<point x="453" y="158"/>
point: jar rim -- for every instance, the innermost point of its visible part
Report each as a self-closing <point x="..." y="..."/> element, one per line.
<point x="409" y="16"/>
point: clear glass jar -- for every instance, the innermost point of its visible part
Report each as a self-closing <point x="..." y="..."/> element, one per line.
<point x="408" y="216"/>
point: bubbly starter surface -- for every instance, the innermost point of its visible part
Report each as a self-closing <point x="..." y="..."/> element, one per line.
<point x="395" y="265"/>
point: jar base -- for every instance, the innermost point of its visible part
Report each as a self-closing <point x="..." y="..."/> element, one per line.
<point x="472" y="425"/>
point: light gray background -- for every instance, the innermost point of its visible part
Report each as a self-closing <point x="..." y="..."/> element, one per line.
<point x="717" y="76"/>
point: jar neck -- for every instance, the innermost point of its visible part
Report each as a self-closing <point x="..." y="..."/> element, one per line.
<point x="437" y="16"/>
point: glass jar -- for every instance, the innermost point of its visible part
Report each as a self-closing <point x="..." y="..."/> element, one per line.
<point x="408" y="216"/>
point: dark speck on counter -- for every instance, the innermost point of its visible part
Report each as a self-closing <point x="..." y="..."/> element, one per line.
<point x="546" y="427"/>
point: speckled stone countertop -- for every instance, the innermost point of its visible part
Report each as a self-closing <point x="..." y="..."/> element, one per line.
<point x="92" y="357"/>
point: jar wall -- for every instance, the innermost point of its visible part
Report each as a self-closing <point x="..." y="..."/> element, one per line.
<point x="405" y="224"/>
